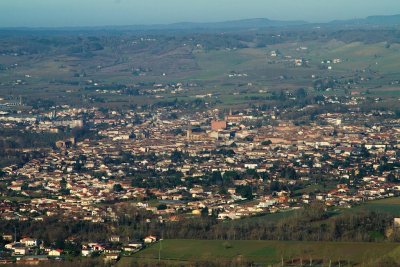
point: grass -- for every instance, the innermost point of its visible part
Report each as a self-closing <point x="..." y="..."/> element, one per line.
<point x="263" y="253"/>
<point x="388" y="205"/>
<point x="271" y="217"/>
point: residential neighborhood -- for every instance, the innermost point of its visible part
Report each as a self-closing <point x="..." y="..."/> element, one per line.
<point x="174" y="165"/>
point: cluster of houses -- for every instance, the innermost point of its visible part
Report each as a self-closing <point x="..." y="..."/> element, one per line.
<point x="74" y="178"/>
<point x="32" y="251"/>
<point x="28" y="251"/>
<point x="80" y="175"/>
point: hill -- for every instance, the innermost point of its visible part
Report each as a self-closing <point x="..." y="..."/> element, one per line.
<point x="385" y="21"/>
<point x="242" y="24"/>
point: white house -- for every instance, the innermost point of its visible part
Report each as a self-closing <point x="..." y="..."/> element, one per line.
<point x="29" y="242"/>
<point x="150" y="239"/>
<point x="55" y="252"/>
<point x="20" y="250"/>
<point x="86" y="252"/>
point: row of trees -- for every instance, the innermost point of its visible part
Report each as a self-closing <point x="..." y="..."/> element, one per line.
<point x="313" y="223"/>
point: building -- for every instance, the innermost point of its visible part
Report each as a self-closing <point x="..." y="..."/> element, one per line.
<point x="218" y="125"/>
<point x="150" y="239"/>
<point x="29" y="242"/>
<point x="55" y="252"/>
<point x="397" y="222"/>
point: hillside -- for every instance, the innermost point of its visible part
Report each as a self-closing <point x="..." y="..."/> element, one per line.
<point x="262" y="253"/>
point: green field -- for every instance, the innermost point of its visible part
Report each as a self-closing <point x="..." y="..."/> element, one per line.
<point x="262" y="253"/>
<point x="388" y="205"/>
<point x="270" y="253"/>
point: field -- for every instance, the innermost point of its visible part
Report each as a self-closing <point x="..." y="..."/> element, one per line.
<point x="388" y="205"/>
<point x="262" y="253"/>
<point x="59" y="75"/>
<point x="266" y="253"/>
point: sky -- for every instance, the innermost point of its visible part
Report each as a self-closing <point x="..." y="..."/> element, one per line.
<point x="56" y="13"/>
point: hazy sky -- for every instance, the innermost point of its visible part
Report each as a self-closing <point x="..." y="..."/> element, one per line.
<point x="50" y="13"/>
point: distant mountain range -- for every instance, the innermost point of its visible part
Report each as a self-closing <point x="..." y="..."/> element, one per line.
<point x="234" y="24"/>
<point x="393" y="20"/>
<point x="257" y="23"/>
<point x="260" y="23"/>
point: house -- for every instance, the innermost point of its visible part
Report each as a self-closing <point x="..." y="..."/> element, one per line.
<point x="15" y="187"/>
<point x="55" y="252"/>
<point x="98" y="247"/>
<point x="114" y="239"/>
<point x="6" y="261"/>
<point x="33" y="260"/>
<point x="111" y="257"/>
<point x="86" y="252"/>
<point x="8" y="237"/>
<point x="10" y="245"/>
<point x="112" y="250"/>
<point x="397" y="222"/>
<point x="20" y="251"/>
<point x="150" y="239"/>
<point x="136" y="245"/>
<point x="29" y="242"/>
<point x="132" y="247"/>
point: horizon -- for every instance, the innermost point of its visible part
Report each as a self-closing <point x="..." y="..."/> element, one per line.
<point x="101" y="13"/>
<point x="183" y="22"/>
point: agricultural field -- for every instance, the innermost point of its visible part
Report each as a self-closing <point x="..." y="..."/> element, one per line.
<point x="263" y="253"/>
<point x="389" y="205"/>
<point x="69" y="70"/>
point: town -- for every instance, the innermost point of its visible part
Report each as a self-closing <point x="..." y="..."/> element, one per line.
<point x="169" y="165"/>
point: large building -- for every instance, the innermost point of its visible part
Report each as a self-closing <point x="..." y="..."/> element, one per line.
<point x="218" y="125"/>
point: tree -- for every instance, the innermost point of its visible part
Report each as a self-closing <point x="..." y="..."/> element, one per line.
<point x="289" y="173"/>
<point x="77" y="166"/>
<point x="391" y="178"/>
<point x="301" y="93"/>
<point x="249" y="139"/>
<point x="63" y="183"/>
<point x="162" y="207"/>
<point x="266" y="143"/>
<point x="275" y="186"/>
<point x="216" y="178"/>
<point x="176" y="156"/>
<point x="223" y="191"/>
<point x="245" y="191"/>
<point x="118" y="188"/>
<point x="204" y="212"/>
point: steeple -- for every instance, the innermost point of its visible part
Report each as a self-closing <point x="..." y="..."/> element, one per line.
<point x="189" y="133"/>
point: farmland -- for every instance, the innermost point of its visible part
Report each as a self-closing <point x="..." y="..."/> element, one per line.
<point x="262" y="253"/>
<point x="389" y="205"/>
<point x="88" y="71"/>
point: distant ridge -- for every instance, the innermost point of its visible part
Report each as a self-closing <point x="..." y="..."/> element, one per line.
<point x="392" y="20"/>
<point x="243" y="24"/>
<point x="233" y="24"/>
<point x="256" y="23"/>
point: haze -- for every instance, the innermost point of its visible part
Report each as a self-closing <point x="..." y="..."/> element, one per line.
<point x="56" y="13"/>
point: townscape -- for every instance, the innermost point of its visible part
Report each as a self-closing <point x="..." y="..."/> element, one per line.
<point x="175" y="165"/>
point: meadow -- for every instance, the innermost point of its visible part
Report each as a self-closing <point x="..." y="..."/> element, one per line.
<point x="262" y="253"/>
<point x="180" y="252"/>
<point x="388" y="205"/>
